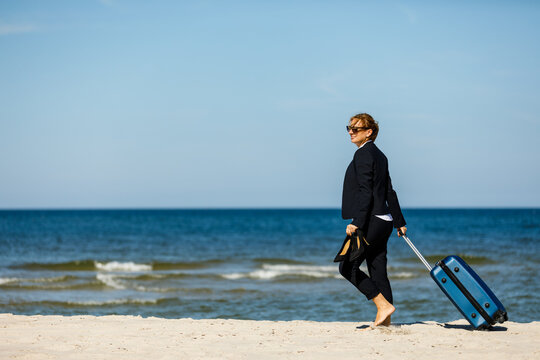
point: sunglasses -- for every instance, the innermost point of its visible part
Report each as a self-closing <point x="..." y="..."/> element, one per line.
<point x="355" y="129"/>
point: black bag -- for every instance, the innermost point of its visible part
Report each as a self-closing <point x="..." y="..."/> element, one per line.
<point x="353" y="247"/>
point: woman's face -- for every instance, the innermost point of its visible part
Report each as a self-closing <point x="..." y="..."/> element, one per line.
<point x="358" y="133"/>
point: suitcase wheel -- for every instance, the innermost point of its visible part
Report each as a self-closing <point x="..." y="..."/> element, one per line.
<point x="500" y="316"/>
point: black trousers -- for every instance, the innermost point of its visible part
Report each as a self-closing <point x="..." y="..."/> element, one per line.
<point x="377" y="235"/>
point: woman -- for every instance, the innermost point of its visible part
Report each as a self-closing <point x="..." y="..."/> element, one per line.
<point x="372" y="204"/>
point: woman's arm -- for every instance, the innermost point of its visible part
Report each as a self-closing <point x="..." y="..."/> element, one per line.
<point x="395" y="209"/>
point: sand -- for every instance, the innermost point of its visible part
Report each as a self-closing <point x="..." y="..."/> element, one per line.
<point x="134" y="337"/>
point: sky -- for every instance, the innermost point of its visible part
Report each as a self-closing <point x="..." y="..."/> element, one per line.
<point x="233" y="104"/>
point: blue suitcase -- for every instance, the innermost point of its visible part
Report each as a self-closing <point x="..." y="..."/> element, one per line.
<point x="467" y="291"/>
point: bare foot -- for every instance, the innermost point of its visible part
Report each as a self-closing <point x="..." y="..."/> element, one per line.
<point x="383" y="314"/>
<point x="387" y="321"/>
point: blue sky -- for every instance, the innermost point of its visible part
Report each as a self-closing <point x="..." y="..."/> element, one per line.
<point x="244" y="103"/>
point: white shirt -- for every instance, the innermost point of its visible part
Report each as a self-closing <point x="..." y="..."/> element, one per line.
<point x="385" y="217"/>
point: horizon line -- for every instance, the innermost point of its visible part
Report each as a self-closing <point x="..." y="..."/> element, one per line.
<point x="261" y="208"/>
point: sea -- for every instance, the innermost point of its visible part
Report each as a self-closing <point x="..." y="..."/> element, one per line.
<point x="260" y="264"/>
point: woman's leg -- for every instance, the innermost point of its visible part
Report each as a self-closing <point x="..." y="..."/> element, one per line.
<point x="350" y="270"/>
<point x="377" y="262"/>
<point x="377" y="236"/>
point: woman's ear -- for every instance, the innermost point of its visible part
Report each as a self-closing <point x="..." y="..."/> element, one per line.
<point x="369" y="132"/>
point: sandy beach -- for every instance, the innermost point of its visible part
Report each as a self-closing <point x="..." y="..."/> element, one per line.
<point x="133" y="337"/>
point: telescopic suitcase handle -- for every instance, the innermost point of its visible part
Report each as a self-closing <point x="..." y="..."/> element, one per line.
<point x="415" y="250"/>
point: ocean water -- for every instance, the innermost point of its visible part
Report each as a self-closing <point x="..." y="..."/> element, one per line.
<point x="251" y="264"/>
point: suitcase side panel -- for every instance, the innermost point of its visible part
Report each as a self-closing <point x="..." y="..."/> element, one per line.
<point x="473" y="298"/>
<point x="476" y="286"/>
<point x="457" y="298"/>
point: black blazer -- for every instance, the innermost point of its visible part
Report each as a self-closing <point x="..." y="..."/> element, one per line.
<point x="367" y="188"/>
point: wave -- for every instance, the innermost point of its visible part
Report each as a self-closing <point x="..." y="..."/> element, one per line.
<point x="288" y="272"/>
<point x="470" y="259"/>
<point x="6" y="281"/>
<point x="153" y="276"/>
<point x="402" y="275"/>
<point x="99" y="282"/>
<point x="116" y="266"/>
<point x="93" y="303"/>
<point x="278" y="261"/>
<point x="119" y="282"/>
<point x="93" y="285"/>
<point x="273" y="271"/>
<point x="122" y="266"/>
<point x="111" y="281"/>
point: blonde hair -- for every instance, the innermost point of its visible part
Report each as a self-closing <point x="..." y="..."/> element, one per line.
<point x="367" y="122"/>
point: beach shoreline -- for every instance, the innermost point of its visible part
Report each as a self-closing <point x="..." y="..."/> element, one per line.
<point x="135" y="337"/>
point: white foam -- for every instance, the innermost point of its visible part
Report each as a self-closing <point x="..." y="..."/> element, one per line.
<point x="154" y="289"/>
<point x="8" y="280"/>
<point x="271" y="271"/>
<point x="234" y="276"/>
<point x="115" y="302"/>
<point x="295" y="268"/>
<point x="402" y="275"/>
<point x="110" y="280"/>
<point x="50" y="279"/>
<point x="129" y="266"/>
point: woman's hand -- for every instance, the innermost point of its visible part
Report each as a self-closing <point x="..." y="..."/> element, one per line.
<point x="402" y="231"/>
<point x="351" y="229"/>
